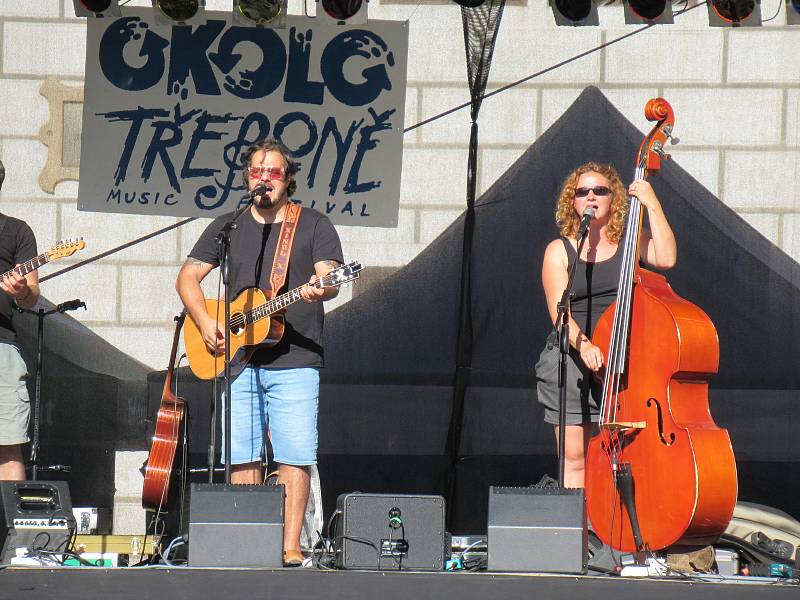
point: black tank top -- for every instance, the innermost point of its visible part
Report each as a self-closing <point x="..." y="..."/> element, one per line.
<point x="595" y="287"/>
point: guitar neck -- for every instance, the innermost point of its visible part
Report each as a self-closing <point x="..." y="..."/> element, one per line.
<point x="272" y="306"/>
<point x="30" y="265"/>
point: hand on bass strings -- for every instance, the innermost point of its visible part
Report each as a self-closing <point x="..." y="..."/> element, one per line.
<point x="591" y="355"/>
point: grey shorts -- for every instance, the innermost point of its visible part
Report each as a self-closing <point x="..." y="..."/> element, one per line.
<point x="583" y="391"/>
<point x="15" y="409"/>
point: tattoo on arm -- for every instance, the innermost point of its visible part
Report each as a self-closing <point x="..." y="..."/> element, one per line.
<point x="193" y="262"/>
<point x="332" y="264"/>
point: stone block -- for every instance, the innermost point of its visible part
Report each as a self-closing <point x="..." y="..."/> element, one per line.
<point x="453" y="128"/>
<point x="403" y="233"/>
<point x="95" y="284"/>
<point x="492" y="165"/>
<point x="759" y="56"/>
<point x="767" y="224"/>
<point x="442" y="40"/>
<point x="508" y="118"/>
<point x="44" y="48"/>
<point x="148" y="294"/>
<point x="735" y="117"/>
<point x="516" y="57"/>
<point x="104" y="231"/>
<point x="382" y="255"/>
<point x="31" y="8"/>
<point x="762" y="180"/>
<point x="665" y="55"/>
<point x="43" y="219"/>
<point x="148" y="345"/>
<point x="793" y="117"/>
<point x="702" y="165"/>
<point x="24" y="160"/>
<point x="791" y="236"/>
<point x="22" y="111"/>
<point x="434" y="176"/>
<point x="434" y="222"/>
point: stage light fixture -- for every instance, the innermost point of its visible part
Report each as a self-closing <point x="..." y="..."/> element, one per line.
<point x="575" y="13"/>
<point x="734" y="13"/>
<point x="342" y="12"/>
<point x="177" y="11"/>
<point x="648" y="11"/>
<point x="260" y="13"/>
<point x="793" y="12"/>
<point x="96" y="8"/>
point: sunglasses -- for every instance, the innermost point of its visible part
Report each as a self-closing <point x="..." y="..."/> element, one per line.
<point x="600" y="190"/>
<point x="276" y="173"/>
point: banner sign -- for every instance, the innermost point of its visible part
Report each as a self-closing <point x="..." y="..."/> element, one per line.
<point x="168" y="110"/>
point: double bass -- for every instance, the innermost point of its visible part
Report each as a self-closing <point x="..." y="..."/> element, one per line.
<point x="659" y="472"/>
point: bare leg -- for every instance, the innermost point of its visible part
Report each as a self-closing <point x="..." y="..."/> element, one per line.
<point x="248" y="473"/>
<point x="298" y="483"/>
<point x="11" y="466"/>
<point x="576" y="443"/>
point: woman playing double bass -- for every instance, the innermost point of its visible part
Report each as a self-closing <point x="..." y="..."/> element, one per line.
<point x="595" y="286"/>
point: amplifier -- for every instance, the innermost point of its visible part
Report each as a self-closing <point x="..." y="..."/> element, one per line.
<point x="235" y="525"/>
<point x="391" y="532"/>
<point x="36" y="515"/>
<point x="537" y="530"/>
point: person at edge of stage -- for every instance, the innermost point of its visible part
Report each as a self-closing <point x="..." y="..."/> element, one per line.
<point x="595" y="287"/>
<point x="17" y="245"/>
<point x="277" y="392"/>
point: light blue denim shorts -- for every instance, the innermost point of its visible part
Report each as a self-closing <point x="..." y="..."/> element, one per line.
<point x="283" y="402"/>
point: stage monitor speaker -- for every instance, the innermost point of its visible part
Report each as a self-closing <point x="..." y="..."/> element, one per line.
<point x="235" y="525"/>
<point x="36" y="515"/>
<point x="391" y="532"/>
<point x="537" y="530"/>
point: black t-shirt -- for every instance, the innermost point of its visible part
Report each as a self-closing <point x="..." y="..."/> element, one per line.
<point x="595" y="287"/>
<point x="252" y="252"/>
<point x="17" y="245"/>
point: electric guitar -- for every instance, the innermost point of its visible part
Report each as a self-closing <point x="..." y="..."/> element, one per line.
<point x="60" y="250"/>
<point x="253" y="322"/>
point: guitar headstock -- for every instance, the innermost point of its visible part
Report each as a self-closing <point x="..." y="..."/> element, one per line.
<point x="341" y="275"/>
<point x="66" y="248"/>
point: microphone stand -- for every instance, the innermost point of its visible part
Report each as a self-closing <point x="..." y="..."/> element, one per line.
<point x="37" y="394"/>
<point x="564" y="311"/>
<point x="224" y="242"/>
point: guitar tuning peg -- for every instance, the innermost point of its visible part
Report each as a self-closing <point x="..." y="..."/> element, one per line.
<point x="674" y="140"/>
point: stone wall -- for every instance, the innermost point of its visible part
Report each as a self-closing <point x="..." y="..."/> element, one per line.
<point x="736" y="95"/>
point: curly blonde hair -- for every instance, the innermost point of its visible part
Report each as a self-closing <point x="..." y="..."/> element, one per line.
<point x="569" y="222"/>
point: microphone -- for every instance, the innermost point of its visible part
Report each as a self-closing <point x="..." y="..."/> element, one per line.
<point x="259" y="190"/>
<point x="70" y="305"/>
<point x="588" y="215"/>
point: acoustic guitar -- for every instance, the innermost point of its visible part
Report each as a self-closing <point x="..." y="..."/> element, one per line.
<point x="157" y="491"/>
<point x="254" y="321"/>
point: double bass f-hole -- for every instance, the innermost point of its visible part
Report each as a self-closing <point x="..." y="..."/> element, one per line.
<point x="666" y="440"/>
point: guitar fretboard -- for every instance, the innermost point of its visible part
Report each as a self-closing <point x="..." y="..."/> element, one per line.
<point x="30" y="265"/>
<point x="274" y="305"/>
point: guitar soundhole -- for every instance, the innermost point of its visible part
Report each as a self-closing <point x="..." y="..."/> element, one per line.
<point x="237" y="323"/>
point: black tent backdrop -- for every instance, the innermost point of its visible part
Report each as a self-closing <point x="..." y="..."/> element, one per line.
<point x="390" y="352"/>
<point x="402" y="335"/>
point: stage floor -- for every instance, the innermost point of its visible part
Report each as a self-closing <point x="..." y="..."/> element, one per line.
<point x="178" y="583"/>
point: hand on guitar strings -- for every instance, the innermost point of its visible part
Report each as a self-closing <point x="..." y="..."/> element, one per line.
<point x="310" y="292"/>
<point x="212" y="335"/>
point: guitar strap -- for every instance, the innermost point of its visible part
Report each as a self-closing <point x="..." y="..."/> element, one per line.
<point x="280" y="264"/>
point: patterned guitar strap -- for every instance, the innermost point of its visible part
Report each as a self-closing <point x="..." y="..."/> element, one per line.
<point x="280" y="264"/>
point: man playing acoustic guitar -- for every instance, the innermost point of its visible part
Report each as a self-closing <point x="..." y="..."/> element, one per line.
<point x="278" y="390"/>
